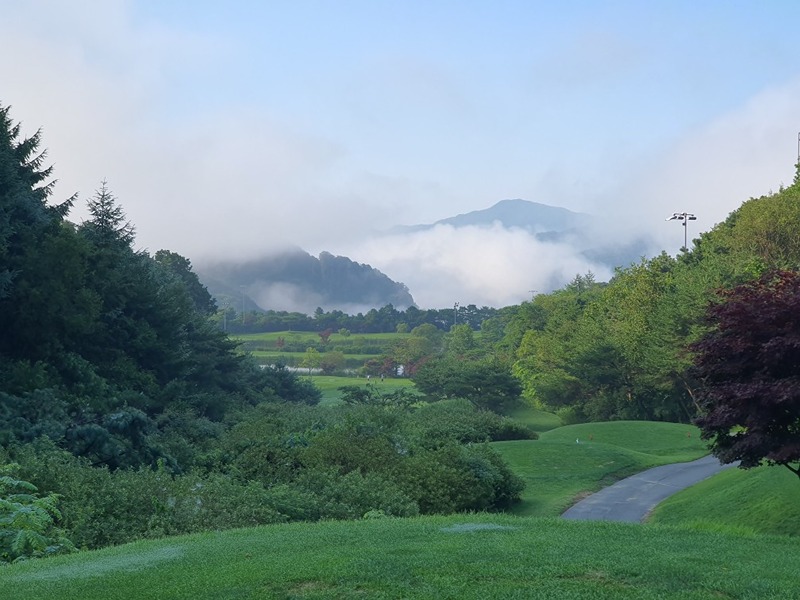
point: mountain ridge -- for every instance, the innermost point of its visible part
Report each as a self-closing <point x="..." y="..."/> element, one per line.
<point x="534" y="217"/>
<point x="294" y="280"/>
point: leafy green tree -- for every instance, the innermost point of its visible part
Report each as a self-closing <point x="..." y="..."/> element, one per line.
<point x="43" y="302"/>
<point x="491" y="331"/>
<point x="108" y="226"/>
<point x="460" y="341"/>
<point x="560" y="344"/>
<point x="311" y="360"/>
<point x="331" y="361"/>
<point x="369" y="394"/>
<point x="749" y="367"/>
<point x="182" y="267"/>
<point x="27" y="520"/>
<point x="487" y="384"/>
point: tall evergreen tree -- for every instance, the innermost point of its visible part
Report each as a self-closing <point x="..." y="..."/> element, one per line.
<point x="33" y="236"/>
<point x="108" y="225"/>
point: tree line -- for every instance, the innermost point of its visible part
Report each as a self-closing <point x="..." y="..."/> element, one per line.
<point x="386" y="319"/>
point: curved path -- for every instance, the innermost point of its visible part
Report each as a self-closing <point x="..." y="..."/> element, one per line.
<point x="631" y="499"/>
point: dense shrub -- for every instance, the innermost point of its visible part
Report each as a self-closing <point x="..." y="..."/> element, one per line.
<point x="459" y="420"/>
<point x="102" y="507"/>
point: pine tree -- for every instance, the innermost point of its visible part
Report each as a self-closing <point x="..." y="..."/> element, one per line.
<point x="37" y="273"/>
<point x="24" y="212"/>
<point x="108" y="225"/>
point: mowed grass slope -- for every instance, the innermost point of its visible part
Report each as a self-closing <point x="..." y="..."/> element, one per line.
<point x="567" y="463"/>
<point x="458" y="557"/>
<point x="761" y="500"/>
<point x="538" y="420"/>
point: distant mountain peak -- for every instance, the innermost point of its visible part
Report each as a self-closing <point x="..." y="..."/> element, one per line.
<point x="512" y="213"/>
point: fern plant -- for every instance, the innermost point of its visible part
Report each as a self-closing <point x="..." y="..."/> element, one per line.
<point x="27" y="521"/>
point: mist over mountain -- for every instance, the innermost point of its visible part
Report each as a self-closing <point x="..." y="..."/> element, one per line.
<point x="491" y="257"/>
<point x="550" y="225"/>
<point x="538" y="219"/>
<point x="499" y="256"/>
<point x="294" y="280"/>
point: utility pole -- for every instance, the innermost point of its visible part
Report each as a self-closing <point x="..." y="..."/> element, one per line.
<point x="684" y="217"/>
<point x="241" y="289"/>
<point x="455" y="314"/>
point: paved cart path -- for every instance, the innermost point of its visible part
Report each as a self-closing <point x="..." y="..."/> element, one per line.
<point x="631" y="499"/>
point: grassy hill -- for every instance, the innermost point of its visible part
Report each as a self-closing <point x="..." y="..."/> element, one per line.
<point x="558" y="471"/>
<point x="461" y="557"/>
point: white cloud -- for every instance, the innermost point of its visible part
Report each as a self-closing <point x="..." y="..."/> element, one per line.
<point x="711" y="170"/>
<point x="473" y="265"/>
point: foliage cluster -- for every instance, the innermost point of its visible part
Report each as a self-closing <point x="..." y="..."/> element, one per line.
<point x="28" y="527"/>
<point x="108" y="351"/>
<point x="749" y="365"/>
<point x="290" y="462"/>
<point x="596" y="351"/>
<point x="294" y="342"/>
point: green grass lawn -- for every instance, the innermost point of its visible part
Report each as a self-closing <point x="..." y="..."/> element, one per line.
<point x="558" y="471"/>
<point x="761" y="500"/>
<point x="295" y="359"/>
<point x="458" y="557"/>
<point x="538" y="420"/>
<point x="357" y="348"/>
<point x="329" y="385"/>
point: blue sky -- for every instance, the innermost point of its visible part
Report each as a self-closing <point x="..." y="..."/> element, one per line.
<point x="227" y="129"/>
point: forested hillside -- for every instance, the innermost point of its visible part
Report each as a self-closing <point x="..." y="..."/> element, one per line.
<point x="295" y="280"/>
<point x="620" y="350"/>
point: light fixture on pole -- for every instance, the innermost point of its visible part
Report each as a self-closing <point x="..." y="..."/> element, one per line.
<point x="684" y="217"/>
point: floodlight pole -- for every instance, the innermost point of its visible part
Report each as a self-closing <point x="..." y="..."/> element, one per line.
<point x="684" y="217"/>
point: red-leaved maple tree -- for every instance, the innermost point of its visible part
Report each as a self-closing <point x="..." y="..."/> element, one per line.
<point x="749" y="366"/>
